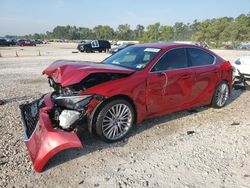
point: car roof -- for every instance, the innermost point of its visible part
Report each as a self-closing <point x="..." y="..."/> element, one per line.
<point x="165" y="45"/>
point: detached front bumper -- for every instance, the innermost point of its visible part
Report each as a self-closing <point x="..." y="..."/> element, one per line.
<point x="41" y="139"/>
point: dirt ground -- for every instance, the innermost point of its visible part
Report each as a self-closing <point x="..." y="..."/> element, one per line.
<point x="204" y="147"/>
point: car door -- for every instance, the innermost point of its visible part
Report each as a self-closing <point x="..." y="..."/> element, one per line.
<point x="206" y="73"/>
<point x="169" y="83"/>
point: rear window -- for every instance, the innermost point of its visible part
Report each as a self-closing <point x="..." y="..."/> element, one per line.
<point x="199" y="57"/>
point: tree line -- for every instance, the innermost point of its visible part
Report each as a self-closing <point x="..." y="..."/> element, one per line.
<point x="215" y="32"/>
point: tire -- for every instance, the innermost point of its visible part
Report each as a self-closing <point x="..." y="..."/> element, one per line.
<point x="221" y="95"/>
<point x="87" y="50"/>
<point x="109" y="125"/>
<point x="81" y="49"/>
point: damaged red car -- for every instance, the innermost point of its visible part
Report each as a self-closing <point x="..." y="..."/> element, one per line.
<point x="140" y="82"/>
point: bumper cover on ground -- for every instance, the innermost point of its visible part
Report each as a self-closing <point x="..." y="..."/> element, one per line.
<point x="41" y="139"/>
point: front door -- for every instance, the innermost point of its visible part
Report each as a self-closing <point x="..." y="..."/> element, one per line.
<point x="169" y="84"/>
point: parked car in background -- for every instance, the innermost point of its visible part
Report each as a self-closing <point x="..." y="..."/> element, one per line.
<point x="37" y="41"/>
<point x="242" y="66"/>
<point x="4" y="42"/>
<point x="119" y="48"/>
<point x="202" y="44"/>
<point x="243" y="47"/>
<point x="25" y="43"/>
<point x="140" y="82"/>
<point x="94" y="45"/>
<point x="12" y="42"/>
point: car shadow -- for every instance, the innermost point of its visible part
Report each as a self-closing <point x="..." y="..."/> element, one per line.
<point x="91" y="143"/>
<point x="236" y="93"/>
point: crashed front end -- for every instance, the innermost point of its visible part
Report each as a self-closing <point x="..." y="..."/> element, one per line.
<point x="50" y="122"/>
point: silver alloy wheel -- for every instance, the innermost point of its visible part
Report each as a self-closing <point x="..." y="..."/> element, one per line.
<point x="117" y="121"/>
<point x="222" y="94"/>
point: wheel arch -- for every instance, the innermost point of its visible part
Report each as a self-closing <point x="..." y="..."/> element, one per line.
<point x="92" y="117"/>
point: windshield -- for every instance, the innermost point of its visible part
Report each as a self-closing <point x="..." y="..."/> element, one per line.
<point x="136" y="58"/>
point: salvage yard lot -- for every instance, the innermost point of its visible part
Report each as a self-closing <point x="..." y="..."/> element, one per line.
<point x="204" y="147"/>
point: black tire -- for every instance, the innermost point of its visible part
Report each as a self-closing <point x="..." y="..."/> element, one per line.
<point x="221" y="95"/>
<point x="81" y="48"/>
<point x="105" y="111"/>
<point x="87" y="50"/>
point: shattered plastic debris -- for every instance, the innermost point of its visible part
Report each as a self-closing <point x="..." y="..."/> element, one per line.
<point x="1" y="102"/>
<point x="190" y="132"/>
<point x="235" y="123"/>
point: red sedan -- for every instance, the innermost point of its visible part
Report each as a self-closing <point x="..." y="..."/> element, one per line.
<point x="140" y="82"/>
<point x="25" y="43"/>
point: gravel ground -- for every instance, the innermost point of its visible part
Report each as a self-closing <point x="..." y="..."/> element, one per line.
<point x="204" y="147"/>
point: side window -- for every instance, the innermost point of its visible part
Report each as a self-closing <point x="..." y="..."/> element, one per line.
<point x="199" y="57"/>
<point x="174" y="59"/>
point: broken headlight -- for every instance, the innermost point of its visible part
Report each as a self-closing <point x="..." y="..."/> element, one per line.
<point x="75" y="102"/>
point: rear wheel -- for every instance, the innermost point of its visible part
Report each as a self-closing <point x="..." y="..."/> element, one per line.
<point x="221" y="95"/>
<point x="115" y="120"/>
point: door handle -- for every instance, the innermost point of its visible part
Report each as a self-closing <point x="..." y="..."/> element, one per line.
<point x="160" y="74"/>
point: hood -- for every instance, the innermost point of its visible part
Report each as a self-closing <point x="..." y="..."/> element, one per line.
<point x="72" y="72"/>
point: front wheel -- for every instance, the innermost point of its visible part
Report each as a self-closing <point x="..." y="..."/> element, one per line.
<point x="221" y="95"/>
<point x="81" y="48"/>
<point x="115" y="120"/>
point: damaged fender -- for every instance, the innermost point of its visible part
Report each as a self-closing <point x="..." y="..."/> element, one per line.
<point x="43" y="141"/>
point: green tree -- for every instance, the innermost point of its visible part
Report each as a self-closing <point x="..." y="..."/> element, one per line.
<point x="36" y="36"/>
<point x="61" y="32"/>
<point x="166" y="33"/>
<point x="124" y="32"/>
<point x="181" y="31"/>
<point x="139" y="31"/>
<point x="103" y="32"/>
<point x="152" y="34"/>
<point x="201" y="31"/>
<point x="86" y="33"/>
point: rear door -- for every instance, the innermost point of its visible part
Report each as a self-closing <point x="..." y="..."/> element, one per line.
<point x="169" y="83"/>
<point x="207" y="76"/>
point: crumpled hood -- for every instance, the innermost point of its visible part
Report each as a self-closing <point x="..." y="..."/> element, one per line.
<point x="71" y="72"/>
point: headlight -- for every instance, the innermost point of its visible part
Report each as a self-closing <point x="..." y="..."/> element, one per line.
<point x="76" y="102"/>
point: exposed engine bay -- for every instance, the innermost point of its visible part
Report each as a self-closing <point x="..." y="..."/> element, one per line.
<point x="90" y="81"/>
<point x="70" y="104"/>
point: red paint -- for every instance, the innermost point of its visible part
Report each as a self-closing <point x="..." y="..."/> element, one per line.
<point x="71" y="72"/>
<point x="47" y="141"/>
<point x="25" y="43"/>
<point x="152" y="93"/>
<point x="186" y="88"/>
